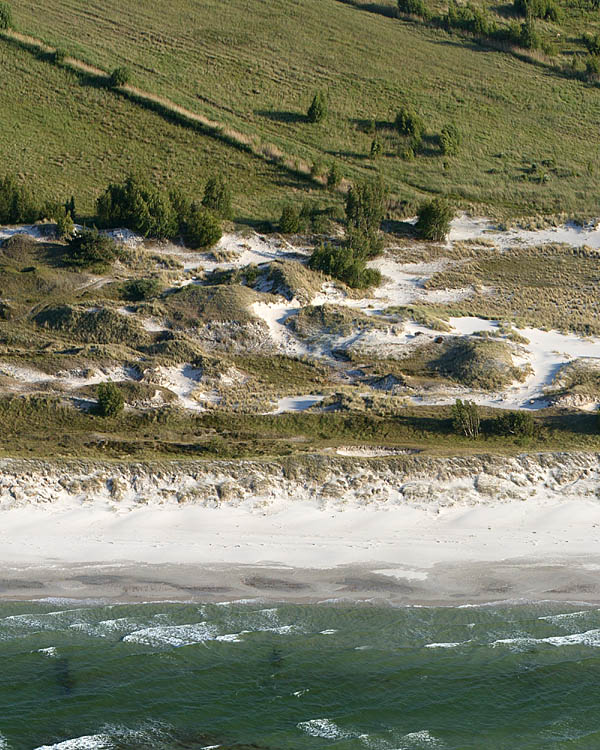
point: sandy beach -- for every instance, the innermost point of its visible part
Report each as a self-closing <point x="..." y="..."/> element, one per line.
<point x="542" y="549"/>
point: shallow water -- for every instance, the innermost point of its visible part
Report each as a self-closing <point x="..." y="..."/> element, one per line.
<point x="298" y="676"/>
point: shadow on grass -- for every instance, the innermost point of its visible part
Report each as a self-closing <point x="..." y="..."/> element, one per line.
<point x="282" y="116"/>
<point x="381" y="9"/>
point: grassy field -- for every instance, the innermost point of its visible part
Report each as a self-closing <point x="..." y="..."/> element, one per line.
<point x="65" y="137"/>
<point x="528" y="132"/>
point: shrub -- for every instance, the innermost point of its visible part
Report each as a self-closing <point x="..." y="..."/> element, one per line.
<point x="90" y="249"/>
<point x="5" y="16"/>
<point x="289" y="223"/>
<point x="409" y="123"/>
<point x="139" y="206"/>
<point x="517" y="423"/>
<point x="340" y="262"/>
<point x="334" y="177"/>
<point x="217" y="197"/>
<point x="449" y="140"/>
<point x="202" y="228"/>
<point x="434" y="219"/>
<point x="137" y="290"/>
<point x="120" y="77"/>
<point x="317" y="111"/>
<point x="17" y="205"/>
<point x="466" y="419"/>
<point x="110" y="400"/>
<point x="414" y="8"/>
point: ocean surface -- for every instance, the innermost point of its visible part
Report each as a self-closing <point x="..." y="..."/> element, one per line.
<point x="289" y="677"/>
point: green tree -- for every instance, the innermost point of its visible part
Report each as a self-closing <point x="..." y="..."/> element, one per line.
<point x="139" y="206"/>
<point x="365" y="208"/>
<point x="65" y="227"/>
<point x="466" y="419"/>
<point x="450" y="140"/>
<point x="317" y="111"/>
<point x="110" y="400"/>
<point x="217" y="197"/>
<point x="120" y="77"/>
<point x="289" y="223"/>
<point x="434" y="219"/>
<point x="202" y="228"/>
<point x="60" y="55"/>
<point x="529" y="37"/>
<point x="5" y="16"/>
<point x="90" y="249"/>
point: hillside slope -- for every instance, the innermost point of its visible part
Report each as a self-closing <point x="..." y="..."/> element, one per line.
<point x="526" y="129"/>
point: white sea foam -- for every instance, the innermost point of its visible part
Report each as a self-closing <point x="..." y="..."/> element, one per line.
<point x="173" y="635"/>
<point x="50" y="651"/>
<point x="86" y="742"/>
<point x="450" y="644"/>
<point x="331" y="631"/>
<point x="3" y="743"/>
<point x="588" y="638"/>
<point x="564" y="616"/>
<point x="324" y="728"/>
<point x="422" y="738"/>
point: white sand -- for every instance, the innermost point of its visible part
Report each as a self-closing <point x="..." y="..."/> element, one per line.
<point x="300" y="535"/>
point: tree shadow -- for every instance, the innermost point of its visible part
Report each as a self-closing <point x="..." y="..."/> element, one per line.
<point x="430" y="145"/>
<point x="381" y="9"/>
<point x="282" y="116"/>
<point x="399" y="228"/>
<point x="366" y="126"/>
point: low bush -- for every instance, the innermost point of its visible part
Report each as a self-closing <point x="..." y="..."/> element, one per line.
<point x="434" y="219"/>
<point x="60" y="55"/>
<point x="137" y="290"/>
<point x="110" y="400"/>
<point x="90" y="249"/>
<point x="334" y="177"/>
<point x="120" y="77"/>
<point x="342" y="263"/>
<point x="592" y="43"/>
<point x="514" y="423"/>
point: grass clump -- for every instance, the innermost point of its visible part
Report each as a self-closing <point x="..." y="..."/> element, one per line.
<point x="138" y="290"/>
<point x="98" y="326"/>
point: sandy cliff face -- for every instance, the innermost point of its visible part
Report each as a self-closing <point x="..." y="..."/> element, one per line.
<point x="328" y="482"/>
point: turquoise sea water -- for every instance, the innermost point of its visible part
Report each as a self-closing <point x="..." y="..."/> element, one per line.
<point x="292" y="677"/>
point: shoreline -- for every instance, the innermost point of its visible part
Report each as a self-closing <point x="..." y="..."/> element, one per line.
<point x="403" y="530"/>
